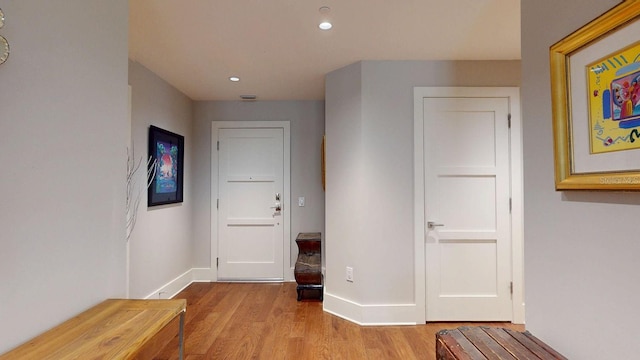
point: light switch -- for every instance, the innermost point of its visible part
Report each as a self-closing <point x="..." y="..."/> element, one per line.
<point x="301" y="201"/>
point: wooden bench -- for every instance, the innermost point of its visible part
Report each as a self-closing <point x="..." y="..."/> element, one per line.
<point x="113" y="329"/>
<point x="489" y="343"/>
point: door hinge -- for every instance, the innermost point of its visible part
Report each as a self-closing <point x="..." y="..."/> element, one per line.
<point x="511" y="287"/>
<point x="509" y="120"/>
<point x="217" y="203"/>
<point x="217" y="262"/>
<point x="510" y="205"/>
<point x="218" y="144"/>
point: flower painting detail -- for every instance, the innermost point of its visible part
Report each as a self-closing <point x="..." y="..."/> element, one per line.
<point x="614" y="101"/>
<point x="167" y="172"/>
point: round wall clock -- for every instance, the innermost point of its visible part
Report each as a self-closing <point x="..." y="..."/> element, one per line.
<point x="4" y="49"/>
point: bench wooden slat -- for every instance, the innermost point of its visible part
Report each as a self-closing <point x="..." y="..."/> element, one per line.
<point x="489" y="343"/>
<point x="526" y="342"/>
<point x="547" y="348"/>
<point x="113" y="329"/>
<point x="457" y="346"/>
<point x="485" y="343"/>
<point x="514" y="347"/>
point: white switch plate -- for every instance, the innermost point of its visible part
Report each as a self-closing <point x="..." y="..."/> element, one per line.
<point x="349" y="274"/>
<point x="301" y="201"/>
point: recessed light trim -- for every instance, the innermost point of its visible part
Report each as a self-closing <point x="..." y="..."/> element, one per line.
<point x="325" y="25"/>
<point x="234" y="78"/>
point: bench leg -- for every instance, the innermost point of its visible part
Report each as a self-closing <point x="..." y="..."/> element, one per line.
<point x="181" y="337"/>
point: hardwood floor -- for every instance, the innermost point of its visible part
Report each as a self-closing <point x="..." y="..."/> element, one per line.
<point x="264" y="321"/>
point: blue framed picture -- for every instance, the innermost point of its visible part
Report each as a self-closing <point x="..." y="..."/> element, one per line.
<point x="166" y="167"/>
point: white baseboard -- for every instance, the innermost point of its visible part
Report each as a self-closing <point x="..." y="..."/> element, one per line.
<point x="209" y="275"/>
<point x="289" y="276"/>
<point x="176" y="285"/>
<point x="203" y="275"/>
<point x="173" y="287"/>
<point x="369" y="315"/>
<point x="365" y="315"/>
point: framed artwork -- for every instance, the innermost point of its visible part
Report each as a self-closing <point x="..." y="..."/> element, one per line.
<point x="595" y="93"/>
<point x="323" y="164"/>
<point x="166" y="167"/>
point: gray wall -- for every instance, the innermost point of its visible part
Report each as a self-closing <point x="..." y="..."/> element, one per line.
<point x="63" y="131"/>
<point x="370" y="199"/>
<point x="581" y="248"/>
<point x="307" y="127"/>
<point x="161" y="242"/>
<point x="344" y="181"/>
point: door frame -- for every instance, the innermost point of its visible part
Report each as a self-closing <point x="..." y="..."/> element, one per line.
<point x="516" y="183"/>
<point x="287" y="272"/>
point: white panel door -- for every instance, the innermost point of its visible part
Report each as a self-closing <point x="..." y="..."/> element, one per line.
<point x="250" y="188"/>
<point x="468" y="246"/>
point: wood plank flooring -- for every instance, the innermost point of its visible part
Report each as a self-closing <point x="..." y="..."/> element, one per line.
<point x="264" y="321"/>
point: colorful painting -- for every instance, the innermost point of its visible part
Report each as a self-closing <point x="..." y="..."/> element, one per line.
<point x="594" y="99"/>
<point x="614" y="101"/>
<point x="166" y="169"/>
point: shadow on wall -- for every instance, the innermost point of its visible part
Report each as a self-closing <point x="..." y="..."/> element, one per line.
<point x="603" y="197"/>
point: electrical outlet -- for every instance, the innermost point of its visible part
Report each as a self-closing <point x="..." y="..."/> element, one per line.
<point x="301" y="201"/>
<point x="349" y="274"/>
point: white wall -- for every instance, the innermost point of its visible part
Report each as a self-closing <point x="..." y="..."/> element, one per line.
<point x="344" y="183"/>
<point x="307" y="127"/>
<point x="161" y="242"/>
<point x="369" y="202"/>
<point x="581" y="248"/>
<point x="63" y="129"/>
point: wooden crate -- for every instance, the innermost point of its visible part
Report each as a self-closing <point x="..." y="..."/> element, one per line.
<point x="489" y="343"/>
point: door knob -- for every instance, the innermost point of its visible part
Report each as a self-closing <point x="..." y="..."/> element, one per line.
<point x="432" y="225"/>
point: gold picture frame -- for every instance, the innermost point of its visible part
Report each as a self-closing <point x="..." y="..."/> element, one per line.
<point x="323" y="164"/>
<point x="600" y="46"/>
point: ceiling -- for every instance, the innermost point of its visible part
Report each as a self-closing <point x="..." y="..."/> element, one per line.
<point x="278" y="51"/>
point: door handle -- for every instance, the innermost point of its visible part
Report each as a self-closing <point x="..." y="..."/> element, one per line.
<point x="278" y="207"/>
<point x="431" y="225"/>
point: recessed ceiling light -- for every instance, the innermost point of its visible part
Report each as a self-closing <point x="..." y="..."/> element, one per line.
<point x="234" y="79"/>
<point x="325" y="25"/>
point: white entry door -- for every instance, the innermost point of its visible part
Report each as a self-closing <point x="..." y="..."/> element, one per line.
<point x="467" y="209"/>
<point x="250" y="221"/>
